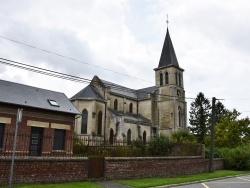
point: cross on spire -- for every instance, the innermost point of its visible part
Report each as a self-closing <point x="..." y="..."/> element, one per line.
<point x="167" y="20"/>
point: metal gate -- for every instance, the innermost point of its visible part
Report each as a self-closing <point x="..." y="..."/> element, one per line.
<point x="96" y="167"/>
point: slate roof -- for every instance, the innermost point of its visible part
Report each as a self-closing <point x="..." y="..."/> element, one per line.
<point x="132" y="118"/>
<point x="89" y="92"/>
<point x="121" y="90"/>
<point x="23" y="95"/>
<point x="168" y="56"/>
<point x="143" y="93"/>
<point x="134" y="94"/>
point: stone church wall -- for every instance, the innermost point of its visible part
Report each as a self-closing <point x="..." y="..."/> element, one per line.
<point x="90" y="107"/>
<point x="120" y="102"/>
<point x="134" y="103"/>
<point x="145" y="108"/>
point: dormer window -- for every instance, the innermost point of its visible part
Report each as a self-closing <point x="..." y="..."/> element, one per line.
<point x="53" y="103"/>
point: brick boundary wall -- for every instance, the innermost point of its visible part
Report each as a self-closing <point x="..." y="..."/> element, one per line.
<point x="143" y="167"/>
<point x="41" y="169"/>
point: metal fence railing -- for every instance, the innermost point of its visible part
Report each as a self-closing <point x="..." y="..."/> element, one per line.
<point x="86" y="146"/>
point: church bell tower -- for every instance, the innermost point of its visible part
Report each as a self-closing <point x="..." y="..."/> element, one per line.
<point x="170" y="100"/>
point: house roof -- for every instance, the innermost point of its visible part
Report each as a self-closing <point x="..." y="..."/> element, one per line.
<point x="168" y="56"/>
<point x="23" y="95"/>
<point x="132" y="118"/>
<point x="89" y="92"/>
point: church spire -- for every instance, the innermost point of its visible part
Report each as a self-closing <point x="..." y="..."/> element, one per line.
<point x="168" y="56"/>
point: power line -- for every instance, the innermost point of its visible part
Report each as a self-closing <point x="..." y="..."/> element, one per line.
<point x="79" y="79"/>
<point x="72" y="59"/>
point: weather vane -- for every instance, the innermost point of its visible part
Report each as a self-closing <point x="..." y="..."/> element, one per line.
<point x="167" y="20"/>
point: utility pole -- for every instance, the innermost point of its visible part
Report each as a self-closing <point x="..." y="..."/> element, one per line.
<point x="211" y="154"/>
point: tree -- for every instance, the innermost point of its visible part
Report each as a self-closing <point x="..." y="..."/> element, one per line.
<point x="200" y="113"/>
<point x="220" y="110"/>
<point x="231" y="132"/>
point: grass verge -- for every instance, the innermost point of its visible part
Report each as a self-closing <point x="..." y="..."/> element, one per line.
<point x="151" y="182"/>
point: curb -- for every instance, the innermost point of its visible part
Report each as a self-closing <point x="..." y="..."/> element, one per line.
<point x="200" y="181"/>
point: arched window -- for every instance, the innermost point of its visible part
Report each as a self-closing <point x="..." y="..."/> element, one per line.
<point x="161" y="79"/>
<point x="99" y="128"/>
<point x="117" y="128"/>
<point x="166" y="78"/>
<point x="111" y="136"/>
<point x="176" y="78"/>
<point x="84" y="121"/>
<point x="139" y="131"/>
<point x="144" y="137"/>
<point x="179" y="79"/>
<point x="129" y="137"/>
<point x="131" y="107"/>
<point x="178" y="93"/>
<point x="179" y="117"/>
<point x="115" y="104"/>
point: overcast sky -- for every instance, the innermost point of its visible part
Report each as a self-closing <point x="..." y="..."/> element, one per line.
<point x="211" y="40"/>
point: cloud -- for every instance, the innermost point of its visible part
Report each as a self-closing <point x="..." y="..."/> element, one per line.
<point x="210" y="39"/>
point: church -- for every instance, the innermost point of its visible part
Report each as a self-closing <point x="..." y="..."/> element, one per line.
<point x="112" y="112"/>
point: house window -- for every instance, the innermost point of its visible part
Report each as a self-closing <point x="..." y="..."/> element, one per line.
<point x="179" y="79"/>
<point x="1" y="134"/>
<point x="115" y="104"/>
<point x="161" y="79"/>
<point x="131" y="107"/>
<point x="59" y="139"/>
<point x="166" y="78"/>
<point x="84" y="121"/>
<point x="99" y="128"/>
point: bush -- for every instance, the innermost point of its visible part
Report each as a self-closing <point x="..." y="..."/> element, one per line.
<point x="218" y="152"/>
<point x="160" y="145"/>
<point x="183" y="137"/>
<point x="79" y="146"/>
<point x="237" y="158"/>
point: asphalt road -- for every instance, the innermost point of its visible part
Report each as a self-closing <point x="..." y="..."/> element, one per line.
<point x="234" y="182"/>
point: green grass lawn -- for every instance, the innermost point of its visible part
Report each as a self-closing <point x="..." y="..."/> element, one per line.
<point x="151" y="182"/>
<point x="140" y="183"/>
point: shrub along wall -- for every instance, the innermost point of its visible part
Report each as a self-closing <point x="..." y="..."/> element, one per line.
<point x="76" y="169"/>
